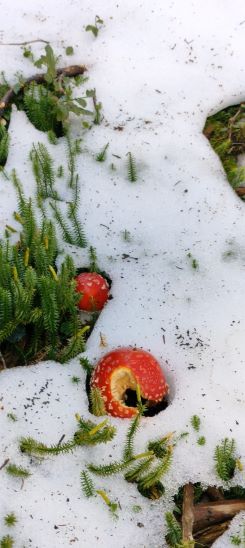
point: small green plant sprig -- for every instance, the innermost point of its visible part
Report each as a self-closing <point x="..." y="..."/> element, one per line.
<point x="17" y="471"/>
<point x="145" y="469"/>
<point x="10" y="519"/>
<point x="88" y="434"/>
<point x="174" y="532"/>
<point x="195" y="423"/>
<point x="194" y="262"/>
<point x="101" y="156"/>
<point x="89" y="491"/>
<point x="4" y="145"/>
<point x="132" y="170"/>
<point x="225" y="459"/>
<point x="12" y="417"/>
<point x="95" y="28"/>
<point x="6" y="542"/>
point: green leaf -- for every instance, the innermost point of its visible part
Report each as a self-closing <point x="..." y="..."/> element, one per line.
<point x="93" y="29"/>
<point x="69" y="50"/>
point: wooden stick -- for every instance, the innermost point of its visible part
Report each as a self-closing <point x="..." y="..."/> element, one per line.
<point x="209" y="535"/>
<point x="24" y="43"/>
<point x="188" y="512"/>
<point x="211" y="513"/>
<point x="71" y="71"/>
<point x="4" y="464"/>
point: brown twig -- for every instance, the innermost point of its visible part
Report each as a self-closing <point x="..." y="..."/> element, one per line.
<point x="60" y="440"/>
<point x="188" y="512"/>
<point x="71" y="71"/>
<point x="24" y="43"/>
<point x="209" y="535"/>
<point x="211" y="513"/>
<point x="4" y="464"/>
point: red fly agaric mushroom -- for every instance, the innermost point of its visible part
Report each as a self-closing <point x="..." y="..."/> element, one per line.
<point x="123" y="370"/>
<point x="94" y="291"/>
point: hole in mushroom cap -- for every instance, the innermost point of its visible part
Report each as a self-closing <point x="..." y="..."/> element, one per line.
<point x="123" y="387"/>
<point x="153" y="408"/>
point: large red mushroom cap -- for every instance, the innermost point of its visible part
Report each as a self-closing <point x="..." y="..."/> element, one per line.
<point x="94" y="290"/>
<point x="124" y="369"/>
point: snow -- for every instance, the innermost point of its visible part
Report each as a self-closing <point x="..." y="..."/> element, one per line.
<point x="159" y="70"/>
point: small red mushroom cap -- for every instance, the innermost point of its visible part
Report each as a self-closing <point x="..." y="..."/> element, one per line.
<point x="94" y="289"/>
<point x="124" y="369"/>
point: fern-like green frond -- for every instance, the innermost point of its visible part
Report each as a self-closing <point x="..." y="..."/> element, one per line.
<point x="4" y="145"/>
<point x="17" y="471"/>
<point x="6" y="542"/>
<point x="174" y="532"/>
<point x="128" y="449"/>
<point x="79" y="237"/>
<point x="108" y="469"/>
<point x="156" y="474"/>
<point x="225" y="460"/>
<point x="132" y="171"/>
<point x="87" y="484"/>
<point x="97" y="403"/>
<point x="43" y="169"/>
<point x="195" y="422"/>
<point x="33" y="447"/>
<point x="135" y="473"/>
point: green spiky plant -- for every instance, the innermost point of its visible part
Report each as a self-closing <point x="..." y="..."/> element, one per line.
<point x="174" y="532"/>
<point x="225" y="459"/>
<point x="132" y="170"/>
<point x="145" y="469"/>
<point x="4" y="145"/>
<point x="6" y="542"/>
<point x="195" y="423"/>
<point x="88" y="434"/>
<point x="38" y="305"/>
<point x="10" y="519"/>
<point x="97" y="403"/>
<point x="43" y="169"/>
<point x="17" y="471"/>
<point x="87" y="484"/>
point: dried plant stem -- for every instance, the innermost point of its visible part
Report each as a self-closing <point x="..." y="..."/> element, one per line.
<point x="188" y="512"/>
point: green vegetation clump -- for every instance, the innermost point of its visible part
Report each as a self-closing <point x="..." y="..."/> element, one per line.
<point x="226" y="132"/>
<point x="38" y="304"/>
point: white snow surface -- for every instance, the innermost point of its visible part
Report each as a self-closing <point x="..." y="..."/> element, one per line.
<point x="159" y="69"/>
